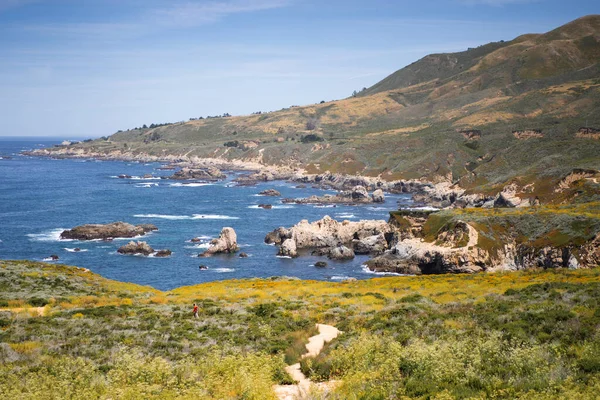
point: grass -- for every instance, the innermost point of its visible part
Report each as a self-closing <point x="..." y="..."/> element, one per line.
<point x="412" y="336"/>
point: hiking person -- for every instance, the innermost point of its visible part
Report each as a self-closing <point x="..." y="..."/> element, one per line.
<point x="195" y="311"/>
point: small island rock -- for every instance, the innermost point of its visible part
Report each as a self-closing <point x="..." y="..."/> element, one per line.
<point x="108" y="231"/>
<point x="270" y="192"/>
<point x="136" y="248"/>
<point x="226" y="243"/>
<point x="288" y="248"/>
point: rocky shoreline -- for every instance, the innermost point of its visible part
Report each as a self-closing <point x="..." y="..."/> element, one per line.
<point x="208" y="169"/>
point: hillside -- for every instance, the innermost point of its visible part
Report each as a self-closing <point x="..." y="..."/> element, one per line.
<point x="68" y="333"/>
<point x="482" y="118"/>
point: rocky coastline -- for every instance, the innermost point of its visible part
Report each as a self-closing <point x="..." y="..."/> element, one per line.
<point x="208" y="169"/>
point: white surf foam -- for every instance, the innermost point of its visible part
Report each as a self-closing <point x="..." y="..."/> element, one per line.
<point x="162" y="216"/>
<point x="48" y="259"/>
<point x="324" y="206"/>
<point x="274" y="206"/>
<point x="146" y="185"/>
<point x="75" y="251"/>
<point x="48" y="236"/>
<point x="212" y="216"/>
<point x="345" y="215"/>
<point x="340" y="278"/>
<point x="191" y="184"/>
<point x="286" y="257"/>
<point x="366" y="270"/>
<point x="224" y="270"/>
<point x="141" y="178"/>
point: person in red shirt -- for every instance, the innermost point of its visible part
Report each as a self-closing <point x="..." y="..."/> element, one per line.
<point x="195" y="311"/>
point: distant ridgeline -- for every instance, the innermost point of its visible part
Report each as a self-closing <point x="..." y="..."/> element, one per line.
<point x="521" y="112"/>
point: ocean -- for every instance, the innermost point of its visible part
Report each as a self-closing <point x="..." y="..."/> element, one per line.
<point x="40" y="197"/>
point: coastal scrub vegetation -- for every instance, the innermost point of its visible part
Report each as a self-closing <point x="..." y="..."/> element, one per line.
<point x="68" y="333"/>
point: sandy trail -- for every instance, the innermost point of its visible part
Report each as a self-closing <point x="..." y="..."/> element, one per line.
<point x="314" y="347"/>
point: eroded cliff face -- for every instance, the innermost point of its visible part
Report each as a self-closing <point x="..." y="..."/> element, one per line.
<point x="459" y="247"/>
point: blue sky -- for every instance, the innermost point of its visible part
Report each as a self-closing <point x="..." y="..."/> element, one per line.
<point x="86" y="68"/>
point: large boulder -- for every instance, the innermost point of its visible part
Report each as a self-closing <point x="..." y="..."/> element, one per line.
<point x="378" y="196"/>
<point x="136" y="248"/>
<point x="112" y="230"/>
<point x="341" y="253"/>
<point x="278" y="236"/>
<point x="375" y="245"/>
<point x="360" y="194"/>
<point x="225" y="243"/>
<point x="270" y="192"/>
<point x="288" y="248"/>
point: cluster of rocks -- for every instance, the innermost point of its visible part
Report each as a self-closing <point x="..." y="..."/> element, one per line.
<point x="328" y="237"/>
<point x="270" y="192"/>
<point x="226" y="243"/>
<point x="204" y="174"/>
<point x="358" y="195"/>
<point x="143" y="248"/>
<point x="145" y="176"/>
<point x="107" y="231"/>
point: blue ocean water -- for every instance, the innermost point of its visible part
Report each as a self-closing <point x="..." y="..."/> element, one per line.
<point x="40" y="197"/>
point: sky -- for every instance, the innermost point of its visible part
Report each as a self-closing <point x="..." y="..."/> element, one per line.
<point x="87" y="68"/>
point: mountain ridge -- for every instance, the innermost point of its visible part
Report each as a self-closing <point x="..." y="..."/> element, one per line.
<point x="546" y="83"/>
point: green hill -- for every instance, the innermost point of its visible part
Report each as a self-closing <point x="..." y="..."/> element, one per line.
<point x="68" y="333"/>
<point x="500" y="113"/>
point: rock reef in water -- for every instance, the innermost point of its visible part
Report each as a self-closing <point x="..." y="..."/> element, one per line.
<point x="226" y="243"/>
<point x="107" y="231"/>
<point x="358" y="195"/>
<point x="270" y="192"/>
<point x="136" y="248"/>
<point x="204" y="174"/>
<point x="337" y="240"/>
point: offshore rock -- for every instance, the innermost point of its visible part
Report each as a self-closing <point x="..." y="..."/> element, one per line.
<point x="136" y="248"/>
<point x="107" y="231"/>
<point x="358" y="195"/>
<point x="327" y="234"/>
<point x="270" y="192"/>
<point x="205" y="174"/>
<point x="225" y="243"/>
<point x="288" y="249"/>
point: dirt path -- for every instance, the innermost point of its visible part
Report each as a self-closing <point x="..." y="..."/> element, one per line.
<point x="314" y="347"/>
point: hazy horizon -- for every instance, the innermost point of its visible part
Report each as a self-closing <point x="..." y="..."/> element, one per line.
<point x="77" y="70"/>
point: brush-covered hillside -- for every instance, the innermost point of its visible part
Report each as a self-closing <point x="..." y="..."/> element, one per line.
<point x="524" y="110"/>
<point x="66" y="333"/>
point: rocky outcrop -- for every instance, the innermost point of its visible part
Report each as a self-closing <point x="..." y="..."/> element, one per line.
<point x="204" y="174"/>
<point x="378" y="196"/>
<point x="270" y="192"/>
<point x="588" y="133"/>
<point x="455" y="249"/>
<point x="107" y="231"/>
<point x="358" y="195"/>
<point x="328" y="234"/>
<point x="288" y="249"/>
<point x="577" y="175"/>
<point x="133" y="248"/>
<point x="528" y="134"/>
<point x="163" y="253"/>
<point x="341" y="253"/>
<point x="226" y="243"/>
<point x="373" y="245"/>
